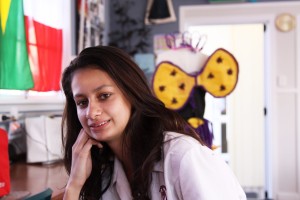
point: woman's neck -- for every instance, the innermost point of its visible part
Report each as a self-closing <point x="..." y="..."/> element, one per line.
<point x="122" y="152"/>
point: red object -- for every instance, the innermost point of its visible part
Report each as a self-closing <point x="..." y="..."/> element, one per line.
<point x="4" y="164"/>
<point x="44" y="39"/>
<point x="44" y="44"/>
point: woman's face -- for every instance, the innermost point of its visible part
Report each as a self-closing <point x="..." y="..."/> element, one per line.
<point x="102" y="109"/>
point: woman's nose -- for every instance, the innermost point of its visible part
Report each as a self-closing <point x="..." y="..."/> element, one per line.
<point x="93" y="111"/>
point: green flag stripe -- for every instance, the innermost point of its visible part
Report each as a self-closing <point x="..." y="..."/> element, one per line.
<point x="15" y="70"/>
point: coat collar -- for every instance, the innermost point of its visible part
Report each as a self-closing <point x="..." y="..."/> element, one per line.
<point x="119" y="174"/>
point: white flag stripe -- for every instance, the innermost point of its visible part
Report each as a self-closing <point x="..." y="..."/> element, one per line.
<point x="48" y="12"/>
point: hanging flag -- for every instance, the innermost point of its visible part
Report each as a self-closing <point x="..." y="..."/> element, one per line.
<point x="14" y="65"/>
<point x="43" y="24"/>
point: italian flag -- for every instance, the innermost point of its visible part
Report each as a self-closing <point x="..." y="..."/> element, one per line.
<point x="34" y="41"/>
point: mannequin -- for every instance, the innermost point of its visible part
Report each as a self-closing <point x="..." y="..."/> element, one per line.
<point x="184" y="75"/>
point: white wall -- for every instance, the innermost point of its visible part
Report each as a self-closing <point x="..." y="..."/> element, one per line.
<point x="246" y="107"/>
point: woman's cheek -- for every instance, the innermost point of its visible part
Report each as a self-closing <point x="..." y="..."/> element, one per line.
<point x="81" y="117"/>
<point x="83" y="121"/>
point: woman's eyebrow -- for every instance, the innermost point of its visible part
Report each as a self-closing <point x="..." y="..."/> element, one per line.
<point x="94" y="90"/>
<point x="101" y="87"/>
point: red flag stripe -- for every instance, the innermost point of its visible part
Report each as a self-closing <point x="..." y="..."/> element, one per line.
<point x="44" y="45"/>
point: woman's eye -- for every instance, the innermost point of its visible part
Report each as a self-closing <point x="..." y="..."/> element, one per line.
<point x="81" y="103"/>
<point x="105" y="96"/>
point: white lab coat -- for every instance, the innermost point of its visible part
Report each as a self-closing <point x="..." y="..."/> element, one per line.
<point x="188" y="171"/>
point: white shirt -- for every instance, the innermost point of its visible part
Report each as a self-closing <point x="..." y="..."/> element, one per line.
<point x="188" y="171"/>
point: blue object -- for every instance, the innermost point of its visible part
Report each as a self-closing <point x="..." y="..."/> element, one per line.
<point x="44" y="195"/>
<point x="226" y="1"/>
<point x="146" y="62"/>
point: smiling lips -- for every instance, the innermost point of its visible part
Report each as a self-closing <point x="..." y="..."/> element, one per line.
<point x="98" y="125"/>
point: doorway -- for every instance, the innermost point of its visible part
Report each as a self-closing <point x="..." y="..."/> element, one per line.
<point x="281" y="82"/>
<point x="238" y="119"/>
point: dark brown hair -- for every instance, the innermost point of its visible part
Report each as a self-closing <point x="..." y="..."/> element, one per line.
<point x="144" y="131"/>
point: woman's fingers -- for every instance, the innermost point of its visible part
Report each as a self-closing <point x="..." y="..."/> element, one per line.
<point x="88" y="145"/>
<point x="98" y="144"/>
<point x="81" y="139"/>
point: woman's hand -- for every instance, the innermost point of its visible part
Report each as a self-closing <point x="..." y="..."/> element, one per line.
<point x="81" y="164"/>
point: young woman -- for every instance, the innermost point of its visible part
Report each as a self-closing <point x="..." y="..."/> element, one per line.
<point x="123" y="143"/>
